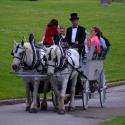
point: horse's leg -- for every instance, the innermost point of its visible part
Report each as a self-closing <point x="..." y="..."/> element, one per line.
<point x="38" y="101"/>
<point x="63" y="92"/>
<point x="73" y="81"/>
<point x="44" y="102"/>
<point x="55" y="84"/>
<point x="28" y="95"/>
<point x="33" y="108"/>
<point x="57" y="96"/>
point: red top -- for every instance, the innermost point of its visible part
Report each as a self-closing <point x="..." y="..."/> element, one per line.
<point x="49" y="33"/>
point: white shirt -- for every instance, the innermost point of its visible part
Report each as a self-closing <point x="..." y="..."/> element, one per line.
<point x="74" y="31"/>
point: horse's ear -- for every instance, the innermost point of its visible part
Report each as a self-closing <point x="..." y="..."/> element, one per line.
<point x="24" y="39"/>
<point x="15" y="43"/>
<point x="31" y="38"/>
<point x="22" y="43"/>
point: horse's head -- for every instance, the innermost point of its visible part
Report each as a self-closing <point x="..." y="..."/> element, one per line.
<point x="53" y="57"/>
<point x="18" y="53"/>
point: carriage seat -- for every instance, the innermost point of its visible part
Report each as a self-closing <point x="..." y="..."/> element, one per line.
<point x="92" y="55"/>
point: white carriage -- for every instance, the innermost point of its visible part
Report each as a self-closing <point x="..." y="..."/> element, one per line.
<point x="96" y="79"/>
<point x="92" y="79"/>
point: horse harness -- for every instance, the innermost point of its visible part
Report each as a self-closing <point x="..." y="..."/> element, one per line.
<point x="64" y="63"/>
<point x="23" y="56"/>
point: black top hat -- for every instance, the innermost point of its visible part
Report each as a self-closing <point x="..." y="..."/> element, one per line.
<point x="73" y="16"/>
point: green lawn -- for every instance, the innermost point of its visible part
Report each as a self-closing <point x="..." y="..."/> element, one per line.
<point x="116" y="121"/>
<point x="20" y="17"/>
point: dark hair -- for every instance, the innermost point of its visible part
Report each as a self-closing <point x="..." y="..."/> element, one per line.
<point x="53" y="22"/>
<point x="98" y="31"/>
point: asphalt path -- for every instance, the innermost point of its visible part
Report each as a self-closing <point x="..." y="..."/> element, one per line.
<point x="115" y="106"/>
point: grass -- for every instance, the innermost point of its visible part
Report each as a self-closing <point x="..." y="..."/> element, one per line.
<point x="20" y="17"/>
<point x="115" y="121"/>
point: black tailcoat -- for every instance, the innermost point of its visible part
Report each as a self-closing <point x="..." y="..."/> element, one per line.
<point x="80" y="37"/>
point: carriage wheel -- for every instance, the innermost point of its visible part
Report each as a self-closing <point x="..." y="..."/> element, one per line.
<point x="85" y="94"/>
<point x="102" y="89"/>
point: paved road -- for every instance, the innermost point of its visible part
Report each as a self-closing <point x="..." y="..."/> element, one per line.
<point x="115" y="106"/>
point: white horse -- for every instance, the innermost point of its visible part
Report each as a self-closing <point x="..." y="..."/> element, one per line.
<point x="67" y="63"/>
<point x="23" y="54"/>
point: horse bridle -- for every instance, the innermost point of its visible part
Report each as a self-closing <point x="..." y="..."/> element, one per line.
<point x="56" y="65"/>
<point x="23" y="55"/>
<point x="22" y="62"/>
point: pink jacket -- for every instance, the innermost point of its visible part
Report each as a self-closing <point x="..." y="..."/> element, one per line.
<point x="95" y="41"/>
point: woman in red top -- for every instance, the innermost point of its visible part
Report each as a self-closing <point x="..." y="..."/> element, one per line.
<point x="51" y="30"/>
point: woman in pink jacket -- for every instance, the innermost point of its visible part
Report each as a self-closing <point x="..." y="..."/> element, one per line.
<point x="95" y="39"/>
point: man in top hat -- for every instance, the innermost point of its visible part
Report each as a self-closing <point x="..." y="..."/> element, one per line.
<point x="75" y="35"/>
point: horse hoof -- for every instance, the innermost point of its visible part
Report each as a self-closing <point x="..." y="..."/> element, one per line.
<point x="27" y="108"/>
<point x="61" y="112"/>
<point x="44" y="106"/>
<point x="33" y="110"/>
<point x="71" y="108"/>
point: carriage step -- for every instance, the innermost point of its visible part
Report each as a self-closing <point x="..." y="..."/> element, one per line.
<point x="78" y="96"/>
<point x="105" y="87"/>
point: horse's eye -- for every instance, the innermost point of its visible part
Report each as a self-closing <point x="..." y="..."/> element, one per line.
<point x="20" y="54"/>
